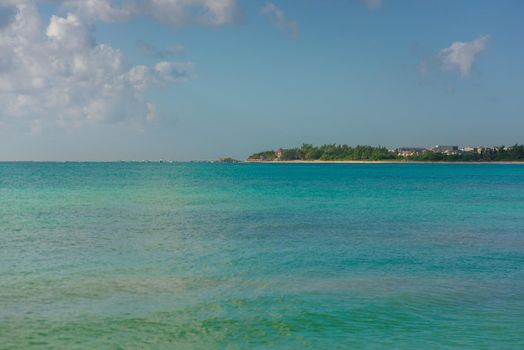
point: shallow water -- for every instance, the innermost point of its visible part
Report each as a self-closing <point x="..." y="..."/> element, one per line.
<point x="267" y="256"/>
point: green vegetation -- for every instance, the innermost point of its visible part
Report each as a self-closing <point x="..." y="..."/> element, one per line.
<point x="326" y="152"/>
<point x="267" y="155"/>
<point x="334" y="152"/>
<point x="228" y="160"/>
<point x="491" y="154"/>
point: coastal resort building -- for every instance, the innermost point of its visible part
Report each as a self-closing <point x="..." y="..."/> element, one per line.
<point x="469" y="149"/>
<point x="410" y="151"/>
<point x="472" y="149"/>
<point x="445" y="149"/>
<point x="278" y="153"/>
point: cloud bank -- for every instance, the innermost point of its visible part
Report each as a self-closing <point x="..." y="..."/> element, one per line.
<point x="172" y="12"/>
<point x="56" y="74"/>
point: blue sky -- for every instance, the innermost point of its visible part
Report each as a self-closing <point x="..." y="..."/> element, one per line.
<point x="243" y="76"/>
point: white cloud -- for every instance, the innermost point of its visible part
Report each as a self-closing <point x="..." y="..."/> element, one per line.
<point x="69" y="33"/>
<point x="104" y="10"/>
<point x="278" y="17"/>
<point x="58" y="75"/>
<point x="461" y="56"/>
<point x="173" y="12"/>
<point x="372" y="4"/>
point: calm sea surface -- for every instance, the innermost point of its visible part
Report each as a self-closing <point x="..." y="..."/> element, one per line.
<point x="261" y="256"/>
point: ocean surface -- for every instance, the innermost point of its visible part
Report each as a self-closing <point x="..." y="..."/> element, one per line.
<point x="261" y="256"/>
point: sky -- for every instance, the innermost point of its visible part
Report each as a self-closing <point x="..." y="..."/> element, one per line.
<point x="201" y="79"/>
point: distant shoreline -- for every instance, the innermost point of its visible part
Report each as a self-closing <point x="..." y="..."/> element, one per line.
<point x="374" y="162"/>
<point x="307" y="153"/>
<point x="253" y="162"/>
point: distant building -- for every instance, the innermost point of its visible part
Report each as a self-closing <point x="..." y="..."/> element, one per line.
<point x="488" y="149"/>
<point x="410" y="151"/>
<point x="278" y="153"/>
<point x="445" y="149"/>
<point x="469" y="149"/>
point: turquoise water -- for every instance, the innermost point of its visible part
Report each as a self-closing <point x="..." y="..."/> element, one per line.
<point x="261" y="256"/>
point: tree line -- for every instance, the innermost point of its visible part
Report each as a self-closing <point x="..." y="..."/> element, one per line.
<point x="344" y="152"/>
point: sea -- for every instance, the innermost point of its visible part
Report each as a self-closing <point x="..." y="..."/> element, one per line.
<point x="261" y="256"/>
